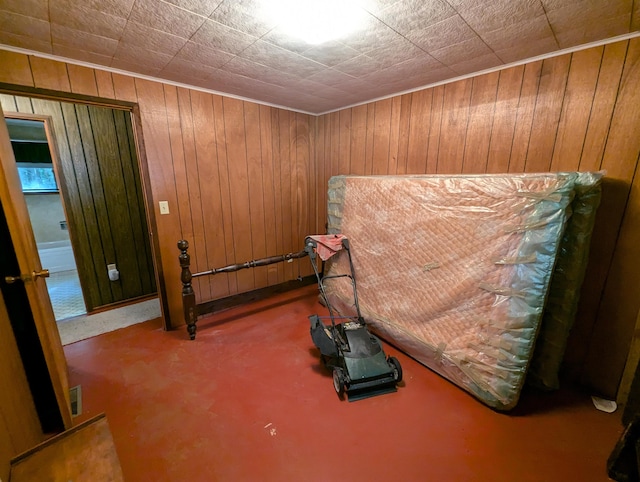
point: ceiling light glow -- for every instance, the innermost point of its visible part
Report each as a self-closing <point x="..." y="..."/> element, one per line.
<point x="315" y="21"/>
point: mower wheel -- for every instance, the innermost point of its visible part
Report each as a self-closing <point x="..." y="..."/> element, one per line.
<point x="397" y="368"/>
<point x="338" y="381"/>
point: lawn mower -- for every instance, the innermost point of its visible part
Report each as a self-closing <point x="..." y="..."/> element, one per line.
<point x="360" y="367"/>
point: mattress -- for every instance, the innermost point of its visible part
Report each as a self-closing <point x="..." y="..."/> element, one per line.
<point x="566" y="282"/>
<point x="453" y="270"/>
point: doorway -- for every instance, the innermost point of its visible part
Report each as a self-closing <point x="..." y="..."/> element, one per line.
<point x="98" y="177"/>
<point x="50" y="226"/>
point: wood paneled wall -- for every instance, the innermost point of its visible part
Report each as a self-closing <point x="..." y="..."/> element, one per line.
<point x="98" y="167"/>
<point x="577" y="111"/>
<point x="245" y="181"/>
<point x="239" y="177"/>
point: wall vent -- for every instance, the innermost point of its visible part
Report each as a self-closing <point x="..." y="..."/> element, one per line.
<point x="75" y="393"/>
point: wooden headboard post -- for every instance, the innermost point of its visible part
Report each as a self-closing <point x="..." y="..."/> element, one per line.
<point x="188" y="296"/>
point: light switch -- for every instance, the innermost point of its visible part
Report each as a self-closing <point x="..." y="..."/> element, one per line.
<point x="164" y="207"/>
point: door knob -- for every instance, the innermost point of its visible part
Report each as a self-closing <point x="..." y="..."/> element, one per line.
<point x="43" y="273"/>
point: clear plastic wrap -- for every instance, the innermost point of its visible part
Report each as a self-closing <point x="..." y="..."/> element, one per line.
<point x="566" y="282"/>
<point x="454" y="270"/>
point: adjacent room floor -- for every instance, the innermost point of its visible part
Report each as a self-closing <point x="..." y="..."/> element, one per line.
<point x="248" y="401"/>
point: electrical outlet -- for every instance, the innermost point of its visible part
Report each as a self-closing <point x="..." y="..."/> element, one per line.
<point x="164" y="207"/>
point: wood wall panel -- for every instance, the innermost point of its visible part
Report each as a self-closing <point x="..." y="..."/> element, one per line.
<point x="82" y="80"/>
<point x="575" y="111"/>
<point x="49" y="74"/>
<point x="418" y="119"/>
<point x="602" y="107"/>
<point x="504" y="121"/>
<point x="104" y="82"/>
<point x="455" y="119"/>
<point x="225" y="194"/>
<point x="524" y="116"/>
<point x="437" y="106"/>
<point x="480" y="124"/>
<point x="546" y="115"/>
<point x="574" y="119"/>
<point x="16" y="69"/>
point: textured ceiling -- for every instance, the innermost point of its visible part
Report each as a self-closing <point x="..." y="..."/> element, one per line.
<point x="225" y="45"/>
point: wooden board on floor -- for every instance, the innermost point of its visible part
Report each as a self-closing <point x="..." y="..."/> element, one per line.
<point x="83" y="453"/>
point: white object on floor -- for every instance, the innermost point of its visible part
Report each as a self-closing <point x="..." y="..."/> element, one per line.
<point x="87" y="326"/>
<point x="608" y="406"/>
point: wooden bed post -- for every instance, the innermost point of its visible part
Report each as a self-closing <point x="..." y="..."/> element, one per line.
<point x="188" y="296"/>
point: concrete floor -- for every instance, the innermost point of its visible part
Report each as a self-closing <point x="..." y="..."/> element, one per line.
<point x="248" y="401"/>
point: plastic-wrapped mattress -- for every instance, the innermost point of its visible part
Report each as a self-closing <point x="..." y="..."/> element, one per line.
<point x="454" y="270"/>
<point x="566" y="282"/>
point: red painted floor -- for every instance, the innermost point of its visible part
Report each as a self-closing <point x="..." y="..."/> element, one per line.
<point x="248" y="401"/>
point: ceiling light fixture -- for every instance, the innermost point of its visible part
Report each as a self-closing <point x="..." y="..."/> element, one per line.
<point x="315" y="21"/>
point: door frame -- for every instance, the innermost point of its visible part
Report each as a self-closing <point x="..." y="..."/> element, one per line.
<point x="143" y="168"/>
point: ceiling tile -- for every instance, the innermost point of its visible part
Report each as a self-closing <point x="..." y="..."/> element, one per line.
<point x="617" y="6"/>
<point x="520" y="33"/>
<point x="88" y="20"/>
<point x="395" y="52"/>
<point x="318" y="89"/>
<point x="587" y="14"/>
<point x="450" y="31"/>
<point x="376" y="6"/>
<point x="476" y="64"/>
<point x="461" y="52"/>
<point x="82" y="55"/>
<point x="527" y="50"/>
<point x="201" y="7"/>
<point x="239" y="85"/>
<point x="184" y="69"/>
<point x="354" y="86"/>
<point x="149" y="58"/>
<point x="373" y="35"/>
<point x="330" y="53"/>
<point x="26" y="26"/>
<point x="266" y="53"/>
<point x="24" y="42"/>
<point x="30" y="8"/>
<point x="135" y="67"/>
<point x="117" y="8"/>
<point x="590" y="32"/>
<point x="221" y="37"/>
<point x="432" y="76"/>
<point x="358" y="66"/>
<point x="416" y="66"/>
<point x="497" y="14"/>
<point x="412" y="68"/>
<point x="82" y="41"/>
<point x="243" y="15"/>
<point x="166" y="17"/>
<point x="330" y="77"/>
<point x="205" y="56"/>
<point x="407" y="15"/>
<point x="136" y="34"/>
<point x="260" y="72"/>
<point x="285" y="41"/>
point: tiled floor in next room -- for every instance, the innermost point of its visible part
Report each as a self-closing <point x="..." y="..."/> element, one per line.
<point x="66" y="294"/>
<point x="249" y="401"/>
